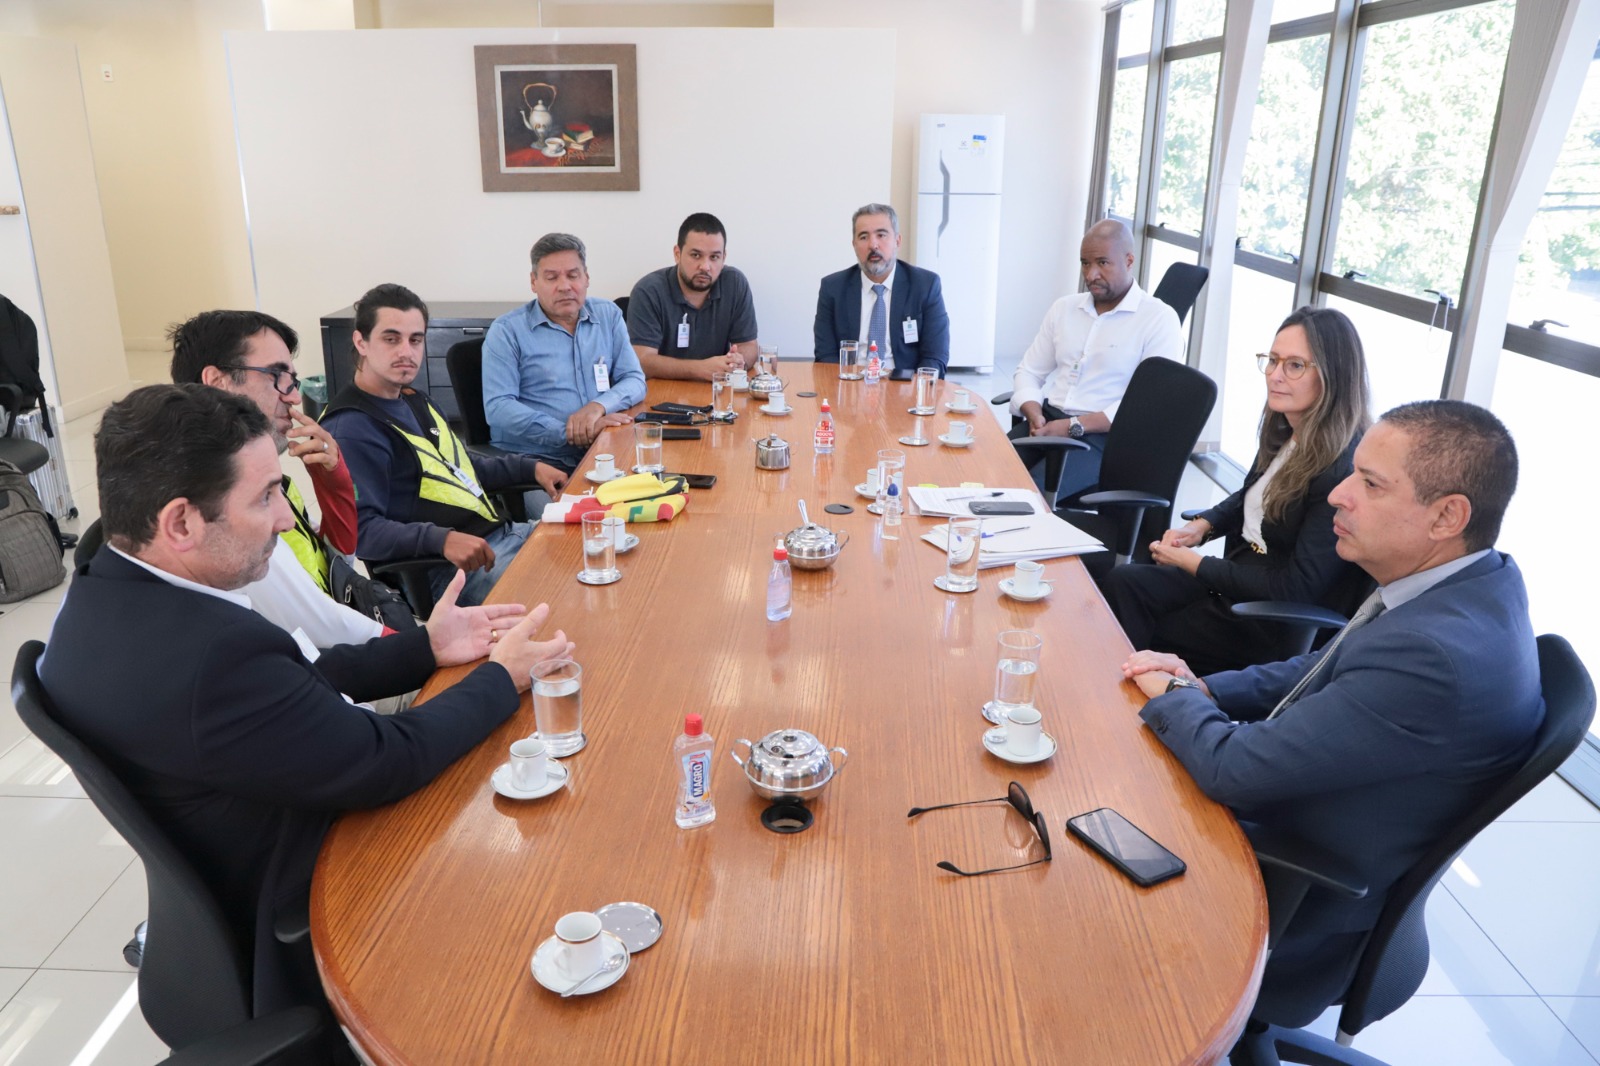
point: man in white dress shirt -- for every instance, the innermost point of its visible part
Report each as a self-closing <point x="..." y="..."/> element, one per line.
<point x="1071" y="380"/>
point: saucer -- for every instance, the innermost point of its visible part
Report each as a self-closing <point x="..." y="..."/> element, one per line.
<point x="1008" y="586"/>
<point x="549" y="966"/>
<point x="947" y="439"/>
<point x="584" y="578"/>
<point x="861" y="490"/>
<point x="914" y="442"/>
<point x="994" y="742"/>
<point x="503" y="784"/>
<point x="768" y="409"/>
<point x="967" y="410"/>
<point x="598" y="480"/>
<point x="941" y="583"/>
<point x="553" y="153"/>
<point x="629" y="542"/>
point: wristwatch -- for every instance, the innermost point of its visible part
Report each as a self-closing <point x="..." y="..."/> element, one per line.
<point x="1179" y="682"/>
<point x="1074" y="427"/>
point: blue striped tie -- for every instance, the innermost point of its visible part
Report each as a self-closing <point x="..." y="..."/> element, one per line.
<point x="878" y="325"/>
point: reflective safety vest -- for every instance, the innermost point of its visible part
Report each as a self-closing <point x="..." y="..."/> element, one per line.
<point x="304" y="540"/>
<point x="451" y="494"/>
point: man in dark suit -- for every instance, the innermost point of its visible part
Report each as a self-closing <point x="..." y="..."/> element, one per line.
<point x="229" y="729"/>
<point x="884" y="301"/>
<point x="1373" y="747"/>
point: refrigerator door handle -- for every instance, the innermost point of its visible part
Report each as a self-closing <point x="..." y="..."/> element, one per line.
<point x="944" y="204"/>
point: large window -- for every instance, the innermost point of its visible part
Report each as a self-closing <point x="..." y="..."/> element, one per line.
<point x="1260" y="304"/>
<point x="1283" y="134"/>
<point x="1186" y="142"/>
<point x="1196" y="20"/>
<point x="1405" y="359"/>
<point x="1425" y="109"/>
<point x="1127" y="118"/>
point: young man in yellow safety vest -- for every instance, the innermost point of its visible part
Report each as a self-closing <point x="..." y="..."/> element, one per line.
<point x="419" y="492"/>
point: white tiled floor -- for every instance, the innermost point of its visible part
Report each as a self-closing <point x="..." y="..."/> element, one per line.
<point x="1515" y="927"/>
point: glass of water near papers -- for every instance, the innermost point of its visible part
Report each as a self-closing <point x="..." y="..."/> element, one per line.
<point x="1007" y="539"/>
<point x="961" y="554"/>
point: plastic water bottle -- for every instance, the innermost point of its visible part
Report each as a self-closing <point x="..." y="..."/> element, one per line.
<point x="874" y="370"/>
<point x="691" y="756"/>
<point x="780" y="586"/>
<point x="824" y="434"/>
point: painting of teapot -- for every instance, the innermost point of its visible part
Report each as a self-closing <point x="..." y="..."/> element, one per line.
<point x="537" y="115"/>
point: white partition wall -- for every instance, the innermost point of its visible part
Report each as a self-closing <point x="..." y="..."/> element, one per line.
<point x="359" y="154"/>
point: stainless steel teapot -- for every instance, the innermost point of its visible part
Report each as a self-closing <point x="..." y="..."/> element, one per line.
<point x="789" y="764"/>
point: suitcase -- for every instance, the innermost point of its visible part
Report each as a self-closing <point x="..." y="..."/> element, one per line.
<point x="50" y="480"/>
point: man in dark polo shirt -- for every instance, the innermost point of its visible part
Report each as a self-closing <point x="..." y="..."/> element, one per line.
<point x="696" y="317"/>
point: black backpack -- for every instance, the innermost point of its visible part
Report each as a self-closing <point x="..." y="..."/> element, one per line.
<point x="371" y="598"/>
<point x="19" y="360"/>
<point x="30" y="540"/>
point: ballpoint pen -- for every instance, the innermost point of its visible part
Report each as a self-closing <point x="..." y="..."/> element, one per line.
<point x="1010" y="529"/>
<point x="976" y="495"/>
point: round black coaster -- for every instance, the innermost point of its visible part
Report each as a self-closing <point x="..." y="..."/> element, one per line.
<point x="805" y="395"/>
<point x="786" y="817"/>
<point x="839" y="508"/>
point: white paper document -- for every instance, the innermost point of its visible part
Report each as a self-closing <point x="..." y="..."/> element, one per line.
<point x="957" y="503"/>
<point x="1008" y="539"/>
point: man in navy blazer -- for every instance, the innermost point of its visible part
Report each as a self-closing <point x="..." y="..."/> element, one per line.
<point x="1372" y="748"/>
<point x="230" y="730"/>
<point x="899" y="306"/>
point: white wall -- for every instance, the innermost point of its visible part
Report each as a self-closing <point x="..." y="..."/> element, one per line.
<point x="50" y="137"/>
<point x="979" y="57"/>
<point x="360" y="157"/>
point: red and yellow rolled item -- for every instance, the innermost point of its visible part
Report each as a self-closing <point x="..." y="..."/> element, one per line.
<point x="635" y="498"/>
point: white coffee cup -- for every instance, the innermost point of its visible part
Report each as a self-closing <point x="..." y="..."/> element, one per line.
<point x="579" y="933"/>
<point x="960" y="430"/>
<point x="605" y="466"/>
<point x="618" y="530"/>
<point x="530" y="764"/>
<point x="1029" y="577"/>
<point x="872" y="481"/>
<point x="739" y="379"/>
<point x="1023" y="729"/>
<point x="963" y="399"/>
<point x="776" y="401"/>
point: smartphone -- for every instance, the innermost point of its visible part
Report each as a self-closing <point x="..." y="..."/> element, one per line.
<point x="901" y="373"/>
<point x="677" y="434"/>
<point x="994" y="507"/>
<point x="1126" y="847"/>
<point x="682" y="408"/>
<point x="695" y="481"/>
<point x="670" y="418"/>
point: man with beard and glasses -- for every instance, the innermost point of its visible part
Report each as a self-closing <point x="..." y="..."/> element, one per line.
<point x="559" y="369"/>
<point x="252" y="354"/>
<point x="883" y="301"/>
<point x="1071" y="379"/>
<point x="422" y="493"/>
<point x="231" y="733"/>
<point x="696" y="317"/>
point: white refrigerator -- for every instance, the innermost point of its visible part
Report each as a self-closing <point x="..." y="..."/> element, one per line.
<point x="959" y="166"/>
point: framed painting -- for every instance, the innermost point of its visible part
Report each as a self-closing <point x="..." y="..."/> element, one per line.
<point x="558" y="117"/>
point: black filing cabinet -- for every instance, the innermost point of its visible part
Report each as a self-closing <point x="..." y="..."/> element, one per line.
<point x="450" y="323"/>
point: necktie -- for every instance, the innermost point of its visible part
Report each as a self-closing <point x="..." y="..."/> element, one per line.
<point x="1370" y="608"/>
<point x="878" y="324"/>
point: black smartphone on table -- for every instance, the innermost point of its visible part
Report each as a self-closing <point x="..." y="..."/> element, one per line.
<point x="669" y="418"/>
<point x="695" y="481"/>
<point x="901" y="373"/>
<point x="1126" y="846"/>
<point x="682" y="408"/>
<point x="672" y="433"/>
<point x="994" y="507"/>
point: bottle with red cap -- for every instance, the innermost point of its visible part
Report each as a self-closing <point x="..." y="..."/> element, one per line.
<point x="780" y="586"/>
<point x="824" y="436"/>
<point x="874" y="369"/>
<point x="691" y="757"/>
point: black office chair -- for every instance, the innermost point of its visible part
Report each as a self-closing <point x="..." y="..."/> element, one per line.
<point x="258" y="1042"/>
<point x="1179" y="288"/>
<point x="1395" y="958"/>
<point x="89" y="542"/>
<point x="622" y="305"/>
<point x="26" y="455"/>
<point x="194" y="980"/>
<point x="1162" y="413"/>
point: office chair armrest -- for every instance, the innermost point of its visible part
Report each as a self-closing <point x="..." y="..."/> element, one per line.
<point x="1191" y="514"/>
<point x="11" y="403"/>
<point x="1118" y="498"/>
<point x="510" y="497"/>
<point x="1003" y="398"/>
<point x="400" y="568"/>
<point x="1300" y="614"/>
<point x="292" y="924"/>
<point x="258" y="1041"/>
<point x="491" y="451"/>
<point x="1288" y="854"/>
<point x="1046" y="444"/>
<point x="411" y="575"/>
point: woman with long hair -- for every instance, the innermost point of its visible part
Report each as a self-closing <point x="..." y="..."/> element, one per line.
<point x="1279" y="526"/>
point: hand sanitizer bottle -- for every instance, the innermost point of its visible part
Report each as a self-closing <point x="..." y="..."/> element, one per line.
<point x="780" y="586"/>
<point x="691" y="755"/>
<point x="874" y="369"/>
<point x="824" y="434"/>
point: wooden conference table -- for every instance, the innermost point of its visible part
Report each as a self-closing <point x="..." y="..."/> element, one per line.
<point x="843" y="943"/>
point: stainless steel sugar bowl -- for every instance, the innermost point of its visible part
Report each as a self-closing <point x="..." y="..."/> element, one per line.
<point x="789" y="764"/>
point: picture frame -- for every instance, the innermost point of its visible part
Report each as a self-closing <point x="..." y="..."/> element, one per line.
<point x="558" y="117"/>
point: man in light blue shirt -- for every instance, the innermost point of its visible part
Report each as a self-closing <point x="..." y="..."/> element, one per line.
<point x="559" y="369"/>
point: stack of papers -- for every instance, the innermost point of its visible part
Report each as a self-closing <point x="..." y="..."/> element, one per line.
<point x="957" y="503"/>
<point x="1008" y="539"/>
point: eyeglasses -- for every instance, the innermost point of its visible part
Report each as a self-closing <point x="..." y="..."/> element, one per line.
<point x="1018" y="798"/>
<point x="278" y="376"/>
<point x="1294" y="367"/>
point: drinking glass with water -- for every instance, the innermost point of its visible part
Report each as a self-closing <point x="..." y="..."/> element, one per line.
<point x="1017" y="671"/>
<point x="558" y="705"/>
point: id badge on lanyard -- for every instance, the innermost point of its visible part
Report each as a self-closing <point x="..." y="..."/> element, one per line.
<point x="466" y="479"/>
<point x="683" y="332"/>
<point x="602" y="378"/>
